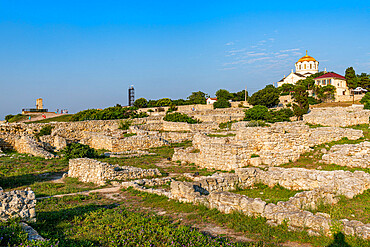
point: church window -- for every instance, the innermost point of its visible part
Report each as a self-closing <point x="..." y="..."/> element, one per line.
<point x="304" y="66"/>
<point x="310" y="66"/>
<point x="323" y="82"/>
<point x="329" y="81"/>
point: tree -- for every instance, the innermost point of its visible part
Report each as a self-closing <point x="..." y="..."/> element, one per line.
<point x="141" y="103"/>
<point x="197" y="98"/>
<point x="326" y="93"/>
<point x="351" y="78"/>
<point x="239" y="96"/>
<point x="221" y="103"/>
<point x="152" y="103"/>
<point x="301" y="99"/>
<point x="164" y="102"/>
<point x="285" y="89"/>
<point x="223" y="94"/>
<point x="364" y="99"/>
<point x="364" y="80"/>
<point x="269" y="97"/>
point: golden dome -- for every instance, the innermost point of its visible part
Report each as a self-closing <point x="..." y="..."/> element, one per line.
<point x="306" y="58"/>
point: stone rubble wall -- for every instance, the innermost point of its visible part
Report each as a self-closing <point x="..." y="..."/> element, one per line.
<point x="338" y="116"/>
<point x="90" y="170"/>
<point x="292" y="211"/>
<point x="273" y="145"/>
<point x="349" y="155"/>
<point x="338" y="182"/>
<point x="212" y="191"/>
<point x="18" y="204"/>
<point x="114" y="144"/>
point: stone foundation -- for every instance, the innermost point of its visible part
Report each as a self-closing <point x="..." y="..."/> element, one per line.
<point x="89" y="170"/>
<point x="272" y="146"/>
<point x="350" y="155"/>
<point x="338" y="116"/>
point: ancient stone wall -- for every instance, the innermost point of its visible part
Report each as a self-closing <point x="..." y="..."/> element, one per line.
<point x="338" y="116"/>
<point x="16" y="204"/>
<point x="350" y="155"/>
<point x="273" y="145"/>
<point x="89" y="170"/>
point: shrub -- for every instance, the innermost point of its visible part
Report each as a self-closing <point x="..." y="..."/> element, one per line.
<point x="254" y="156"/>
<point x="78" y="150"/>
<point x="116" y="112"/>
<point x="172" y="108"/>
<point x="221" y="103"/>
<point x="367" y="105"/>
<point x="141" y="103"/>
<point x="180" y="117"/>
<point x="44" y="131"/>
<point x="124" y="125"/>
<point x="259" y="112"/>
<point x="364" y="99"/>
<point x="8" y="117"/>
<point x="164" y="102"/>
<point x="289" y="105"/>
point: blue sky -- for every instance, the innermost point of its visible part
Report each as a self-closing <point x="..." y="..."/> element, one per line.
<point x="86" y="54"/>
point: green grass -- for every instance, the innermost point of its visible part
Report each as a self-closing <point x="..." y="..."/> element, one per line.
<point x="315" y="125"/>
<point x="364" y="128"/>
<point x="357" y="208"/>
<point x="252" y="227"/>
<point x="273" y="195"/>
<point x="129" y="134"/>
<point x="62" y="118"/>
<point x="19" y="171"/>
<point x="94" y="221"/>
<point x="18" y="118"/>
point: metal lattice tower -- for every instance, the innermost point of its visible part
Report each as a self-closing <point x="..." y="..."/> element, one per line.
<point x="131" y="95"/>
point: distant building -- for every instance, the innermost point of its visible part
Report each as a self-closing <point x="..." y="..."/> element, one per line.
<point x="305" y="67"/>
<point x="210" y="101"/>
<point x="39" y="107"/>
<point x="338" y="81"/>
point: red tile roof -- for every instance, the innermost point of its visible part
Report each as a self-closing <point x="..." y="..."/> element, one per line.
<point x="331" y="75"/>
<point x="212" y="98"/>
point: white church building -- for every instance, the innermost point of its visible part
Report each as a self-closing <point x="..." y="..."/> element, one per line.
<point x="305" y="67"/>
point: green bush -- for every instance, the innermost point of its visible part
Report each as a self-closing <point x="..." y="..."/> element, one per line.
<point x="44" y="131"/>
<point x="260" y="112"/>
<point x="364" y="99"/>
<point x="78" y="150"/>
<point x="221" y="103"/>
<point x="180" y="117"/>
<point x="269" y="97"/>
<point x="141" y="103"/>
<point x="116" y="112"/>
<point x="367" y="105"/>
<point x="8" y="117"/>
<point x="172" y="108"/>
<point x="124" y="125"/>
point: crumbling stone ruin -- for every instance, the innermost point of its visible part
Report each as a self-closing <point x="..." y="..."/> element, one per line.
<point x="320" y="186"/>
<point x="17" y="204"/>
<point x="89" y="170"/>
<point x="350" y="155"/>
<point x="271" y="146"/>
<point x="338" y="116"/>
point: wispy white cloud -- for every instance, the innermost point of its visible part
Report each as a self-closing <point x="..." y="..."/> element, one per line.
<point x="230" y="43"/>
<point x="289" y="50"/>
